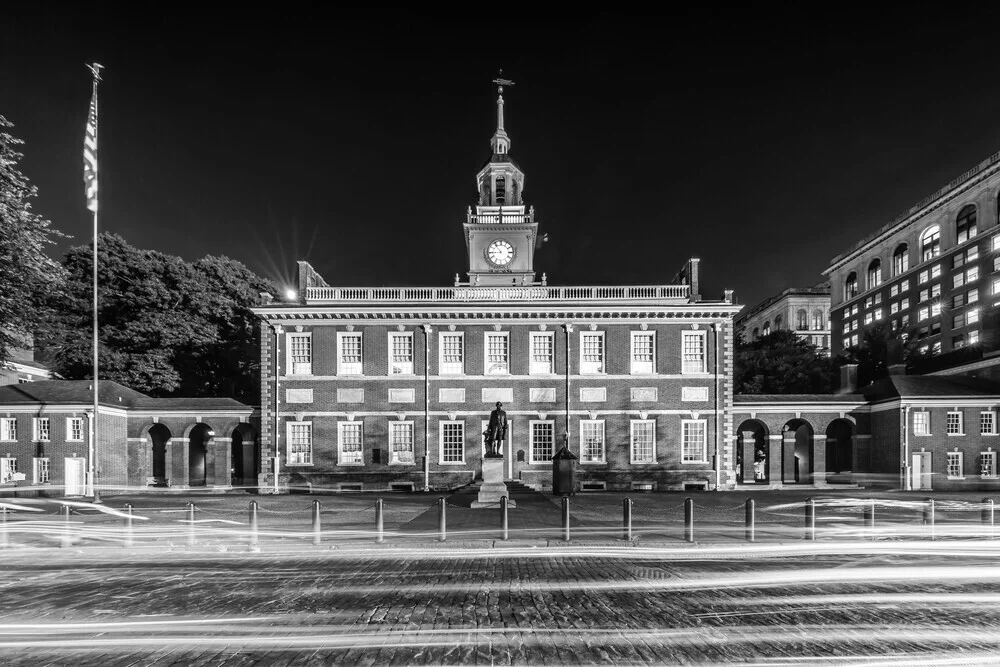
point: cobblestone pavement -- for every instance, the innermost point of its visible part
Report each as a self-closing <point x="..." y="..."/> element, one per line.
<point x="918" y="603"/>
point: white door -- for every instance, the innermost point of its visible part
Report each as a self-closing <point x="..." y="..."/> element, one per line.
<point x="915" y="473"/>
<point x="75" y="478"/>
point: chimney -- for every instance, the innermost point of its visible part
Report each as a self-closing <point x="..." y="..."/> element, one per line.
<point x="692" y="273"/>
<point x="848" y="378"/>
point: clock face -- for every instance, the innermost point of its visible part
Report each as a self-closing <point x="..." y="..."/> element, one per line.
<point x="500" y="252"/>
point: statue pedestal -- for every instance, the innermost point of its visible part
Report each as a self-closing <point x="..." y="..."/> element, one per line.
<point x="493" y="488"/>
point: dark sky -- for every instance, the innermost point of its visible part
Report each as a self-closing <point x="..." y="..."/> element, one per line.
<point x="763" y="144"/>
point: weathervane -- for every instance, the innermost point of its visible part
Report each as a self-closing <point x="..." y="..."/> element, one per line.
<point x="501" y="82"/>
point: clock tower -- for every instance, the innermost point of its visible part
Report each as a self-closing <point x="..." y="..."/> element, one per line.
<point x="500" y="235"/>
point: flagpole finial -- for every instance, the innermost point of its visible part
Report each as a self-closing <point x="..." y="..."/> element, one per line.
<point x="95" y="69"/>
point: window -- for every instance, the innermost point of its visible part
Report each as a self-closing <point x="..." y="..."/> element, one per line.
<point x="900" y="260"/>
<point x="996" y="262"/>
<point x="955" y="423"/>
<point x="972" y="316"/>
<point x="958" y="321"/>
<point x="542" y="441"/>
<point x="643" y="358"/>
<point x="299" y="443"/>
<point x="958" y="301"/>
<point x="777" y="322"/>
<point x="42" y="429"/>
<point x="904" y="304"/>
<point x="300" y="354"/>
<point x="935" y="309"/>
<point x="930" y="243"/>
<point x="817" y="320"/>
<point x="954" y="465"/>
<point x="921" y="423"/>
<point x="497" y="353"/>
<point x="973" y="295"/>
<point x="74" y="429"/>
<point x="923" y="313"/>
<point x="592" y="441"/>
<point x="988" y="464"/>
<point x="878" y="314"/>
<point x="936" y="347"/>
<point x="973" y="337"/>
<point x="756" y="333"/>
<point x="643" y="441"/>
<point x="693" y="346"/>
<point x="893" y="290"/>
<point x="401" y="354"/>
<point x="847" y="327"/>
<point x="854" y="309"/>
<point x="401" y="443"/>
<point x="767" y="328"/>
<point x="592" y="352"/>
<point x="452" y="353"/>
<point x="868" y="318"/>
<point x="987" y="422"/>
<point x="453" y="442"/>
<point x="693" y="442"/>
<point x="348" y="353"/>
<point x="923" y="276"/>
<point x="851" y="285"/>
<point x="965" y="224"/>
<point x="995" y="241"/>
<point x="996" y="287"/>
<point x="893" y="307"/>
<point x="40" y="471"/>
<point x="800" y="320"/>
<point x="958" y="342"/>
<point x="935" y="271"/>
<point x="875" y="273"/>
<point x="8" y="467"/>
<point x="962" y="258"/>
<point x="8" y="429"/>
<point x="541" y="353"/>
<point x="349" y="438"/>
<point x="905" y="285"/>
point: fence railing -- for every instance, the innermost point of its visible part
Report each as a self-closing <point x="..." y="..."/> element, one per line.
<point x="460" y="294"/>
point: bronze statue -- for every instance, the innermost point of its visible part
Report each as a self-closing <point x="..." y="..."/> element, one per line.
<point x="496" y="433"/>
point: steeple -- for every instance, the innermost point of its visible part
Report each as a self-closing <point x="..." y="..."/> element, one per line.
<point x="500" y="141"/>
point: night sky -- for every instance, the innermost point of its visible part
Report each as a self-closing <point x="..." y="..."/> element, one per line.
<point x="763" y="144"/>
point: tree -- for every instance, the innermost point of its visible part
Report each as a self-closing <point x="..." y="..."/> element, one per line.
<point x="166" y="326"/>
<point x="782" y="363"/>
<point x="881" y="348"/>
<point x="26" y="272"/>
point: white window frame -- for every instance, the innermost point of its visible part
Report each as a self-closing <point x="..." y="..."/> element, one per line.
<point x="703" y="424"/>
<point x="8" y="429"/>
<point x="633" y="458"/>
<point x="400" y="367"/>
<point x="988" y="418"/>
<point x="41" y="470"/>
<point x="593" y="367"/>
<point x="394" y="428"/>
<point x="291" y="366"/>
<point x="531" y="440"/>
<point x="8" y="468"/>
<point x="921" y="419"/>
<point x="69" y="429"/>
<point x="642" y="367"/>
<point x="541" y="367"/>
<point x="441" y="449"/>
<point x="342" y="454"/>
<point x="451" y="367"/>
<point x="584" y="423"/>
<point x="352" y="367"/>
<point x="501" y="367"/>
<point x="704" y="352"/>
<point x="961" y="467"/>
<point x="307" y="455"/>
<point x="955" y="426"/>
<point x="989" y="470"/>
<point x="36" y="429"/>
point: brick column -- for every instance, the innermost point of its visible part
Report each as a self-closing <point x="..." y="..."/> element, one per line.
<point x="749" y="445"/>
<point x="788" y="458"/>
<point x="819" y="460"/>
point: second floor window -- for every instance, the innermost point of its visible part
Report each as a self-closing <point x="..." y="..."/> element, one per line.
<point x="643" y="441"/>
<point x="349" y="354"/>
<point x="401" y="354"/>
<point x="42" y="429"/>
<point x="542" y="441"/>
<point x="452" y="354"/>
<point x="988" y="423"/>
<point x="8" y="428"/>
<point x="541" y="353"/>
<point x="592" y="352"/>
<point x="300" y="354"/>
<point x="351" y="453"/>
<point x="921" y="423"/>
<point x="693" y="351"/>
<point x="497" y="354"/>
<point x="401" y="442"/>
<point x="591" y="441"/>
<point x="642" y="352"/>
<point x="74" y="429"/>
<point x="300" y="443"/>
<point x="955" y="423"/>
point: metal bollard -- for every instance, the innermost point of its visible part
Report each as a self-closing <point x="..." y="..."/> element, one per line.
<point x="254" y="532"/>
<point x="65" y="541"/>
<point x="751" y="519"/>
<point x="929" y="516"/>
<point x="317" y="522"/>
<point x="688" y="520"/>
<point x="810" y="519"/>
<point x="868" y="516"/>
<point x="988" y="516"/>
<point x="565" y="518"/>
<point x="128" y="541"/>
<point x="3" y="527"/>
<point x="191" y="509"/>
<point x="442" y="521"/>
<point x="627" y="519"/>
<point x="379" y="522"/>
<point x="504" y="526"/>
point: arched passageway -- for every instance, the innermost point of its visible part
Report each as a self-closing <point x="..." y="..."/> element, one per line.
<point x="839" y="451"/>
<point x="797" y="452"/>
<point x="244" y="462"/>
<point x="753" y="453"/>
<point x="198" y="454"/>
<point x="158" y="437"/>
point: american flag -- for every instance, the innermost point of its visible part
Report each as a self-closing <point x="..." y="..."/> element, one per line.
<point x="90" y="154"/>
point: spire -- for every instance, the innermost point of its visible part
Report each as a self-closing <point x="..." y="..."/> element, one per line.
<point x="500" y="142"/>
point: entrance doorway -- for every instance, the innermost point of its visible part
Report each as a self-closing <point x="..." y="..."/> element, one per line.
<point x="75" y="476"/>
<point x="198" y="455"/>
<point x="158" y="436"/>
<point x="244" y="456"/>
<point x="839" y="451"/>
<point x="920" y="471"/>
<point x="753" y="454"/>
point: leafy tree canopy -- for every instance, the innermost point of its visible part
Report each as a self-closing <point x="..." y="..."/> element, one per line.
<point x="783" y="363"/>
<point x="167" y="326"/>
<point x="26" y="272"/>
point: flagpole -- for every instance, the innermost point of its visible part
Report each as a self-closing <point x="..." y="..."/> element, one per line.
<point x="92" y="205"/>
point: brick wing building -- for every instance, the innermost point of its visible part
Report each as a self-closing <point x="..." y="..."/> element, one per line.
<point x="391" y="387"/>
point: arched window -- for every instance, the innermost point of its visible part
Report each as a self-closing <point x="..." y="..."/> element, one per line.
<point x="965" y="224"/>
<point x="875" y="273"/>
<point x="777" y="322"/>
<point x="851" y="286"/>
<point x="930" y="243"/>
<point x="817" y="320"/>
<point x="756" y="333"/>
<point x="501" y="189"/>
<point x="900" y="259"/>
<point x="767" y="328"/>
<point x="801" y="322"/>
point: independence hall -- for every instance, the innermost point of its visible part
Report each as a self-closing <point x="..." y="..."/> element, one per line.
<point x="366" y="388"/>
